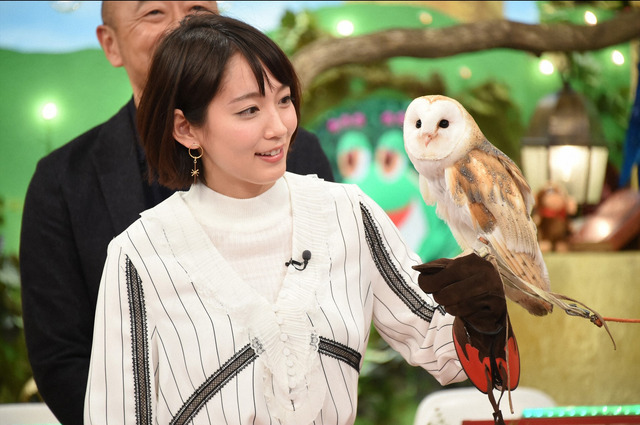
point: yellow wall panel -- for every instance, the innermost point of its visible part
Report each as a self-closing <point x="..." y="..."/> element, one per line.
<point x="570" y="358"/>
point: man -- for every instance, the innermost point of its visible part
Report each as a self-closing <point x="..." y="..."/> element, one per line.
<point x="87" y="192"/>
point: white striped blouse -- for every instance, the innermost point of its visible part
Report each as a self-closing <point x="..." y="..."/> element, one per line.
<point x="180" y="339"/>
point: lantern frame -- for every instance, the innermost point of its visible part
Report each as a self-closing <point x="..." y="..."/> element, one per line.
<point x="564" y="145"/>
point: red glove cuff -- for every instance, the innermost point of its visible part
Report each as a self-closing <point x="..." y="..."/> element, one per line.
<point x="489" y="360"/>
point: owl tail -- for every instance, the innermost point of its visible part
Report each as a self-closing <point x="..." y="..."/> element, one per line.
<point x="569" y="305"/>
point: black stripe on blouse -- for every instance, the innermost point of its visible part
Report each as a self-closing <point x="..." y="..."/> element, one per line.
<point x="241" y="360"/>
<point x="214" y="384"/>
<point x="341" y="352"/>
<point x="140" y="349"/>
<point x="389" y="271"/>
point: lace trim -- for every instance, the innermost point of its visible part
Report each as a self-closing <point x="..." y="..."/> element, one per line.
<point x="139" y="346"/>
<point x="389" y="271"/>
<point x="340" y="352"/>
<point x="214" y="384"/>
<point x="240" y="361"/>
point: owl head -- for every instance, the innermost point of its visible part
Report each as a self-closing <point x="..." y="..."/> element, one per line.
<point x="438" y="128"/>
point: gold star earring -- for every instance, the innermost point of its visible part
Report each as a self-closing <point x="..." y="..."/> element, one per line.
<point x="195" y="172"/>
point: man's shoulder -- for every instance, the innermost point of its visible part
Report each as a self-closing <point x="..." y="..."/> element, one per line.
<point x="74" y="152"/>
<point x="306" y="156"/>
<point x="155" y="221"/>
<point x="305" y="134"/>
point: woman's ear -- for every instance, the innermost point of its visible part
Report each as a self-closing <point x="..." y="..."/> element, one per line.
<point x="183" y="131"/>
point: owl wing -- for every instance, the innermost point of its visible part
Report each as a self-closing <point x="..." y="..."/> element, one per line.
<point x="488" y="186"/>
<point x="497" y="198"/>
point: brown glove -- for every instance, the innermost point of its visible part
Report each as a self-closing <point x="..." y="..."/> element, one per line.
<point x="467" y="287"/>
<point x="470" y="288"/>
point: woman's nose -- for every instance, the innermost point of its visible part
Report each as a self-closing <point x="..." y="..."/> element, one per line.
<point x="276" y="127"/>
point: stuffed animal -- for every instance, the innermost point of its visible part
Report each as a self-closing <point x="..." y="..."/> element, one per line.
<point x="551" y="214"/>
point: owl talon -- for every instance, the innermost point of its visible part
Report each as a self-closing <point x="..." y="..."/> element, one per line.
<point x="483" y="252"/>
<point x="577" y="311"/>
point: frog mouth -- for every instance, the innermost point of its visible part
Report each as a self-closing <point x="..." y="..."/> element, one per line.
<point x="399" y="216"/>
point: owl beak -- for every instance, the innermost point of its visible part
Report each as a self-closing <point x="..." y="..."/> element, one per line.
<point x="426" y="137"/>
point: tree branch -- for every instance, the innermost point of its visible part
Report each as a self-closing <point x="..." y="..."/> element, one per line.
<point x="321" y="55"/>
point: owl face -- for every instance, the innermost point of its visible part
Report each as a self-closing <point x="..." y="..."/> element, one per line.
<point x="435" y="128"/>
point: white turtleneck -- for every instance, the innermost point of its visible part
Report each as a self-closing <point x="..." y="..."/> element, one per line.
<point x="252" y="235"/>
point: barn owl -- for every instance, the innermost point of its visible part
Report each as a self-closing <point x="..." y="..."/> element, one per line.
<point x="484" y="198"/>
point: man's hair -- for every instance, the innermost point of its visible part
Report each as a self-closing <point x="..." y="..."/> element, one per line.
<point x="106" y="11"/>
<point x="186" y="72"/>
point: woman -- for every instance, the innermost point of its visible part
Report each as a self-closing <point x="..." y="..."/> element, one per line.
<point x="249" y="298"/>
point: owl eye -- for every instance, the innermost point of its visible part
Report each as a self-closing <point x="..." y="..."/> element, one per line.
<point x="418" y="124"/>
<point x="443" y="124"/>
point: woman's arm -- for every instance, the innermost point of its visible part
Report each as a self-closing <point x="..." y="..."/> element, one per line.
<point x="119" y="388"/>
<point x="407" y="318"/>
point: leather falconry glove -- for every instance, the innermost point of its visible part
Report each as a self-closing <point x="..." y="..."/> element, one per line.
<point x="469" y="287"/>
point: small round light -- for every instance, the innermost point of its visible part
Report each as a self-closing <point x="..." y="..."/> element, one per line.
<point x="426" y="18"/>
<point x="590" y="18"/>
<point x="546" y="67"/>
<point x="465" y="72"/>
<point x="617" y="57"/>
<point x="345" y="28"/>
<point x="49" y="111"/>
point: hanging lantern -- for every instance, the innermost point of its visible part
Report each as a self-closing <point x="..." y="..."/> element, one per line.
<point x="564" y="145"/>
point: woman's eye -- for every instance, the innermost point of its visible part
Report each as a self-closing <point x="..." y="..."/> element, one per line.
<point x="249" y="111"/>
<point x="286" y="100"/>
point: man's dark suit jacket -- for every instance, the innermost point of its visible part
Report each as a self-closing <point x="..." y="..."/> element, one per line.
<point x="81" y="196"/>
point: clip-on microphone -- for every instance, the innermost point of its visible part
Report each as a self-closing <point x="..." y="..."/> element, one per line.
<point x="306" y="256"/>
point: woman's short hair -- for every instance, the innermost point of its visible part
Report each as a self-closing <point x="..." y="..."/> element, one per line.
<point x="186" y="72"/>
